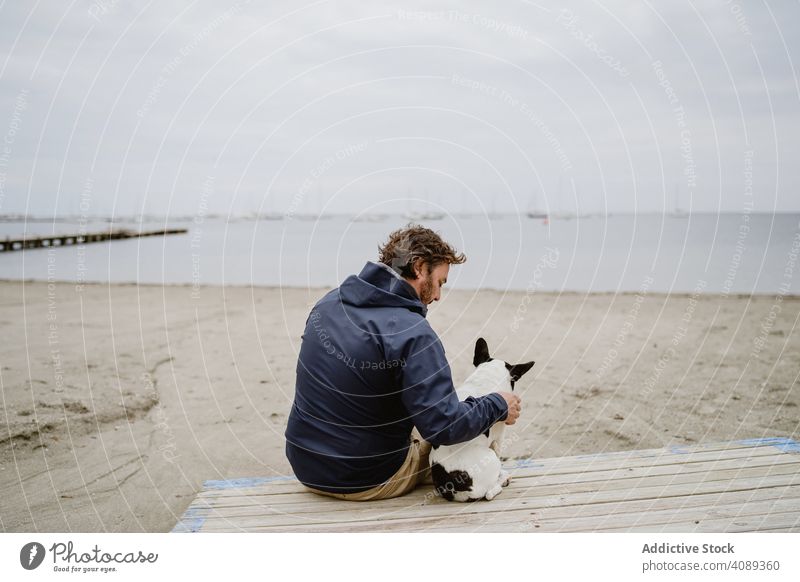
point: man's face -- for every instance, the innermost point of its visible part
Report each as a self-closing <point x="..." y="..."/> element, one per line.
<point x="429" y="285"/>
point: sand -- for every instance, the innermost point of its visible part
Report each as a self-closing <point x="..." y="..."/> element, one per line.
<point x="119" y="401"/>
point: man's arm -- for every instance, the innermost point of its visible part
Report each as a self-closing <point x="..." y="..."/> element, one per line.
<point x="430" y="397"/>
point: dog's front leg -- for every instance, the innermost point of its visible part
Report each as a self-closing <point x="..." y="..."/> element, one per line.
<point x="496" y="438"/>
<point x="496" y="444"/>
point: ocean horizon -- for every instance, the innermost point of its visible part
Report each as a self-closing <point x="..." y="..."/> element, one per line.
<point x="751" y="253"/>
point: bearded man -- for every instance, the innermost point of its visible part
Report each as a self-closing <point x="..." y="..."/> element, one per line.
<point x="374" y="390"/>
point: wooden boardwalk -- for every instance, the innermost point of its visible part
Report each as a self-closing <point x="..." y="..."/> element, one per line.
<point x="746" y="485"/>
<point x="64" y="240"/>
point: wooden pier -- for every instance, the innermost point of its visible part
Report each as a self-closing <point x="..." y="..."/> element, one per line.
<point x="745" y="485"/>
<point x="63" y="240"/>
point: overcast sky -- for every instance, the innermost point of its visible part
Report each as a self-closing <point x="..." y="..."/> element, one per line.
<point x="183" y="108"/>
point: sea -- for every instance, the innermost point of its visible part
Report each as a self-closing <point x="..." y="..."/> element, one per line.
<point x="695" y="253"/>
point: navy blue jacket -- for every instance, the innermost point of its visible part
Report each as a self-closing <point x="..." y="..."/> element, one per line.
<point x="370" y="368"/>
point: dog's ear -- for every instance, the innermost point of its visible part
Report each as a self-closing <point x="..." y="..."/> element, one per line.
<point x="517" y="370"/>
<point x="481" y="352"/>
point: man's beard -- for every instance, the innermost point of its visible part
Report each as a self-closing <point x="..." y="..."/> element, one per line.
<point x="426" y="291"/>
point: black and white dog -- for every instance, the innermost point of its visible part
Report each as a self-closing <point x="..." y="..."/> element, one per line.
<point x="472" y="471"/>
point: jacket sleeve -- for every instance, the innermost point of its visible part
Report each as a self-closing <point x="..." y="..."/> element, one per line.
<point x="430" y="397"/>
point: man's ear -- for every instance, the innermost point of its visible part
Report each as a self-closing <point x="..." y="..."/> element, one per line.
<point x="481" y="352"/>
<point x="517" y="370"/>
<point x="418" y="267"/>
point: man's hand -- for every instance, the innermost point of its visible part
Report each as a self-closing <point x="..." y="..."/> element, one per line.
<point x="514" y="406"/>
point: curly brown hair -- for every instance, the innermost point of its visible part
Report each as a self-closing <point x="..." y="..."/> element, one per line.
<point x="415" y="243"/>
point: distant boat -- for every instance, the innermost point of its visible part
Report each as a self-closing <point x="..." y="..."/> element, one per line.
<point x="678" y="212"/>
<point x="418" y="215"/>
<point x="415" y="216"/>
<point x="269" y="213"/>
<point x="492" y="214"/>
<point x="308" y="216"/>
<point x="314" y="200"/>
<point x="533" y="210"/>
<point x="369" y="218"/>
<point x="255" y="216"/>
<point x="463" y="198"/>
<point x="432" y="214"/>
<point x="12" y="217"/>
<point x="562" y="214"/>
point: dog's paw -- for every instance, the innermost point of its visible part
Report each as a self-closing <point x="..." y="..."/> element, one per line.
<point x="493" y="492"/>
<point x="506" y="479"/>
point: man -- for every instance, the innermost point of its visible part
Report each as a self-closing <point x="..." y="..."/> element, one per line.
<point x="374" y="389"/>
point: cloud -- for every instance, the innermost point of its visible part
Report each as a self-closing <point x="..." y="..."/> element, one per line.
<point x="150" y="101"/>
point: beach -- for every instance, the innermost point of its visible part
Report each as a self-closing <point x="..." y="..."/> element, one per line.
<point x="119" y="401"/>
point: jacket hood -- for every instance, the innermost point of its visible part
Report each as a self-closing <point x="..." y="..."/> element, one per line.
<point x="377" y="285"/>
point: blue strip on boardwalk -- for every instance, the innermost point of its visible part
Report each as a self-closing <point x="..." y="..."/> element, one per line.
<point x="194" y="517"/>
<point x="192" y="520"/>
<point x="524" y="464"/>
<point x="788" y="447"/>
<point x="245" y="482"/>
<point x="782" y="443"/>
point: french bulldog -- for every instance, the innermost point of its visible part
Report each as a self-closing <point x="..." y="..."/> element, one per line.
<point x="472" y="471"/>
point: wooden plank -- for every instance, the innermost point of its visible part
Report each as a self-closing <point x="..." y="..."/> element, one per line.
<point x="584" y="505"/>
<point x="789" y="519"/>
<point x="370" y="514"/>
<point x="525" y="506"/>
<point x="592" y="515"/>
<point x="685" y="461"/>
<point x="650" y="521"/>
<point x="740" y="481"/>
<point x="667" y="458"/>
<point x="617" y="521"/>
<point x="285" y="487"/>
<point x="300" y="501"/>
<point x="783" y="444"/>
<point x="306" y="502"/>
<point x="632" y="475"/>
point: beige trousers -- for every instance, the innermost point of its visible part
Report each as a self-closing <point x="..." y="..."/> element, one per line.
<point x="415" y="470"/>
